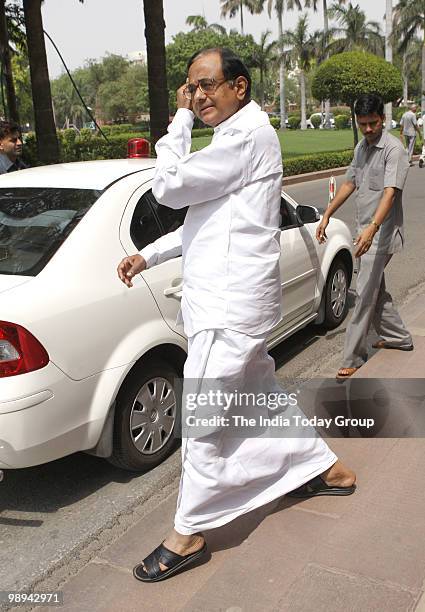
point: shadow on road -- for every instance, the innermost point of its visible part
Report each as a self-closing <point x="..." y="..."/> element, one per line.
<point x="54" y="485"/>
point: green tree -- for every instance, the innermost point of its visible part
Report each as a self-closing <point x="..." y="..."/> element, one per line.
<point x="200" y="23"/>
<point x="302" y="53"/>
<point x="264" y="58"/>
<point x="20" y="68"/>
<point x="344" y="77"/>
<point x="322" y="42"/>
<point x="231" y="7"/>
<point x="12" y="39"/>
<point x="184" y="45"/>
<point x="6" y="62"/>
<point x="121" y="100"/>
<point x="355" y="32"/>
<point x="280" y="6"/>
<point x="157" y="71"/>
<point x="409" y="21"/>
<point x="115" y="87"/>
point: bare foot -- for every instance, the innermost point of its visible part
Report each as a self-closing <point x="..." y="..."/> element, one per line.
<point x="339" y="476"/>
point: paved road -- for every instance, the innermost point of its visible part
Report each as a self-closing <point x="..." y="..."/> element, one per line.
<point x="56" y="516"/>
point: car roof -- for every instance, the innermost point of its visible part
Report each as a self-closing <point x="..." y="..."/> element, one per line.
<point x="79" y="175"/>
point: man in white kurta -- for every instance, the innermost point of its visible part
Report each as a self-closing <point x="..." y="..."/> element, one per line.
<point x="230" y="245"/>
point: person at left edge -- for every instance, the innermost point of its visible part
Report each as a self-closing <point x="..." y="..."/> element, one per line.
<point x="10" y="147"/>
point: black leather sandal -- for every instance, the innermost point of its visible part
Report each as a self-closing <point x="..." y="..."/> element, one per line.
<point x="151" y="572"/>
<point x="317" y="486"/>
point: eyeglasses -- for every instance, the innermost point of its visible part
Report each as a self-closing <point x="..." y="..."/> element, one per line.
<point x="207" y="87"/>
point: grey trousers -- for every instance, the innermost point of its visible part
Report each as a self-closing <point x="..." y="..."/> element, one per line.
<point x="410" y="145"/>
<point x="374" y="306"/>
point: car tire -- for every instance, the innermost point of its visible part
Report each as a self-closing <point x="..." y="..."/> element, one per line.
<point x="336" y="294"/>
<point x="147" y="421"/>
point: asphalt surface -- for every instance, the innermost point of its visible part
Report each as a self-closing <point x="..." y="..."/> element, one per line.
<point x="55" y="517"/>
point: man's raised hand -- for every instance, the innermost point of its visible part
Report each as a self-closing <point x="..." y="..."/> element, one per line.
<point x="182" y="101"/>
<point x="130" y="266"/>
<point x="321" y="230"/>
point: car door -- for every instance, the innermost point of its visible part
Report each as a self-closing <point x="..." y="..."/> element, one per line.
<point x="144" y="221"/>
<point x="298" y="266"/>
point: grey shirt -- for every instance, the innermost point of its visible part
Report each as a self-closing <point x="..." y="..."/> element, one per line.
<point x="409" y="123"/>
<point x="374" y="168"/>
<point x="5" y="163"/>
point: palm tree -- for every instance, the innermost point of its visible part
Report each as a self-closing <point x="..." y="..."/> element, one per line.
<point x="354" y="32"/>
<point x="157" y="74"/>
<point x="325" y="39"/>
<point x="231" y="7"/>
<point x="264" y="58"/>
<point x="280" y="6"/>
<point x="389" y="56"/>
<point x="200" y="24"/>
<point x="411" y="65"/>
<point x="302" y="53"/>
<point x="409" y="21"/>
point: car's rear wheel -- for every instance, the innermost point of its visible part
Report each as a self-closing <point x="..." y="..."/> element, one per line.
<point x="147" y="417"/>
<point x="336" y="294"/>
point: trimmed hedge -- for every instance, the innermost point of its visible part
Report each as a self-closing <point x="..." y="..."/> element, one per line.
<point x="294" y="122"/>
<point x="83" y="147"/>
<point x="316" y="120"/>
<point x="342" y="122"/>
<point x="89" y="145"/>
<point x="316" y="162"/>
<point x="77" y="148"/>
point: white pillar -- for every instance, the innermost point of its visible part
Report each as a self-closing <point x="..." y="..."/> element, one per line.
<point x="388" y="55"/>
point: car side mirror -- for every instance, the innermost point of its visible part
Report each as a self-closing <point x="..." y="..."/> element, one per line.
<point x="307" y="214"/>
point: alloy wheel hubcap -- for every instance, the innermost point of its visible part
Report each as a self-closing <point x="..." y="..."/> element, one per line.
<point x="153" y="416"/>
<point x="338" y="293"/>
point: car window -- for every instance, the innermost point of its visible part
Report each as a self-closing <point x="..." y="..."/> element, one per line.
<point x="35" y="221"/>
<point x="168" y="218"/>
<point x="287" y="218"/>
<point x="144" y="226"/>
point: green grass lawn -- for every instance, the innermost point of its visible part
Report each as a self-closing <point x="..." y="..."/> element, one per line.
<point x="295" y="143"/>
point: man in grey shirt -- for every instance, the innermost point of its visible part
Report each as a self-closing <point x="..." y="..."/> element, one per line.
<point x="408" y="129"/>
<point x="377" y="175"/>
<point x="10" y="147"/>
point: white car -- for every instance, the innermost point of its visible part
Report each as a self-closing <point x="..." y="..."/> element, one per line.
<point x="87" y="364"/>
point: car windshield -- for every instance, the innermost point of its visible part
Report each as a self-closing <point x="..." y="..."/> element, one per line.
<point x="35" y="221"/>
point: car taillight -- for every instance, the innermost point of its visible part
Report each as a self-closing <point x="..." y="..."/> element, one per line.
<point x="20" y="351"/>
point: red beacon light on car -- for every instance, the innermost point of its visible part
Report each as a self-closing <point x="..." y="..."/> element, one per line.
<point x="137" y="148"/>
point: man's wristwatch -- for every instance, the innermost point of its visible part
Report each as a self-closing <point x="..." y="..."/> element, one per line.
<point x="373" y="222"/>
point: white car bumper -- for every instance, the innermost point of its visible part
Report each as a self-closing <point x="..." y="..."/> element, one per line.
<point x="45" y="415"/>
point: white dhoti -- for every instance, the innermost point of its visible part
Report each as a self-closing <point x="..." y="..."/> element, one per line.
<point x="224" y="477"/>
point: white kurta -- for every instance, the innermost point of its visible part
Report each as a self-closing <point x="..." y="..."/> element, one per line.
<point x="230" y="244"/>
<point x="230" y="240"/>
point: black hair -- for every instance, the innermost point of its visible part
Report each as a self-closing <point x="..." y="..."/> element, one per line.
<point x="369" y="104"/>
<point x="7" y="128"/>
<point x="232" y="65"/>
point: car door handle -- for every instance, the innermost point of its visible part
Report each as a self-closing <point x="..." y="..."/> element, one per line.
<point x="175" y="291"/>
